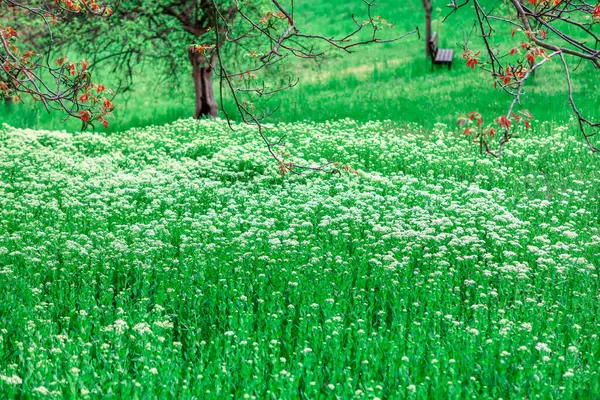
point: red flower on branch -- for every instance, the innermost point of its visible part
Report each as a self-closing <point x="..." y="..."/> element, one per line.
<point x="504" y="122"/>
<point x="472" y="59"/>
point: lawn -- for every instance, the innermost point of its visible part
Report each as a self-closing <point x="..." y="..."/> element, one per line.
<point x="175" y="262"/>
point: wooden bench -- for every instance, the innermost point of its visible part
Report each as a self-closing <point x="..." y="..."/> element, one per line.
<point x="439" y="56"/>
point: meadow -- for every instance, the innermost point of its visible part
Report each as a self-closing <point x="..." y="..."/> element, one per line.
<point x="175" y="262"/>
<point x="167" y="257"/>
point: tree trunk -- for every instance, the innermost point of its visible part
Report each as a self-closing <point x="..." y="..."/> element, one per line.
<point x="428" y="32"/>
<point x="203" y="69"/>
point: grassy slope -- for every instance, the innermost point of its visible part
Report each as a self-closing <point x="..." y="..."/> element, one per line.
<point x="392" y="81"/>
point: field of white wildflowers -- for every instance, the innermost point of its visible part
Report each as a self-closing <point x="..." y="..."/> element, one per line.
<point x="175" y="262"/>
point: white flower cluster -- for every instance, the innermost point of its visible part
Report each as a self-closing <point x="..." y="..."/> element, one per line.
<point x="175" y="261"/>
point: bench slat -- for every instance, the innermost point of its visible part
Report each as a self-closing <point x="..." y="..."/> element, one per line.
<point x="444" y="56"/>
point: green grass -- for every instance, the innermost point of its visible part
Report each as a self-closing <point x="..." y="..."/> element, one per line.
<point x="174" y="262"/>
<point x="392" y="81"/>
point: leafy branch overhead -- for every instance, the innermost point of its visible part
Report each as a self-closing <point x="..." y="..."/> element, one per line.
<point x="541" y="30"/>
<point x="59" y="84"/>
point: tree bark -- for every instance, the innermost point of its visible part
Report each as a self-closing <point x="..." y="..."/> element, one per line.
<point x="428" y="32"/>
<point x="203" y="69"/>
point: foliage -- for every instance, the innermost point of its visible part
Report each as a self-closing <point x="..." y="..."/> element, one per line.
<point x="542" y="30"/>
<point x="61" y="85"/>
<point x="474" y="126"/>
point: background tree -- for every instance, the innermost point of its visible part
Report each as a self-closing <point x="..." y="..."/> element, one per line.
<point x="59" y="84"/>
<point x="539" y="31"/>
<point x="427" y="6"/>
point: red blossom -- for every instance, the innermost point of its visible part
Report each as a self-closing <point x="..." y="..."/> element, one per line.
<point x="472" y="60"/>
<point x="504" y="122"/>
<point x="108" y="105"/>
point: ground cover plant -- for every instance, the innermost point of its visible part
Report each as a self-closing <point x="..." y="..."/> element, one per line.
<point x="175" y="261"/>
